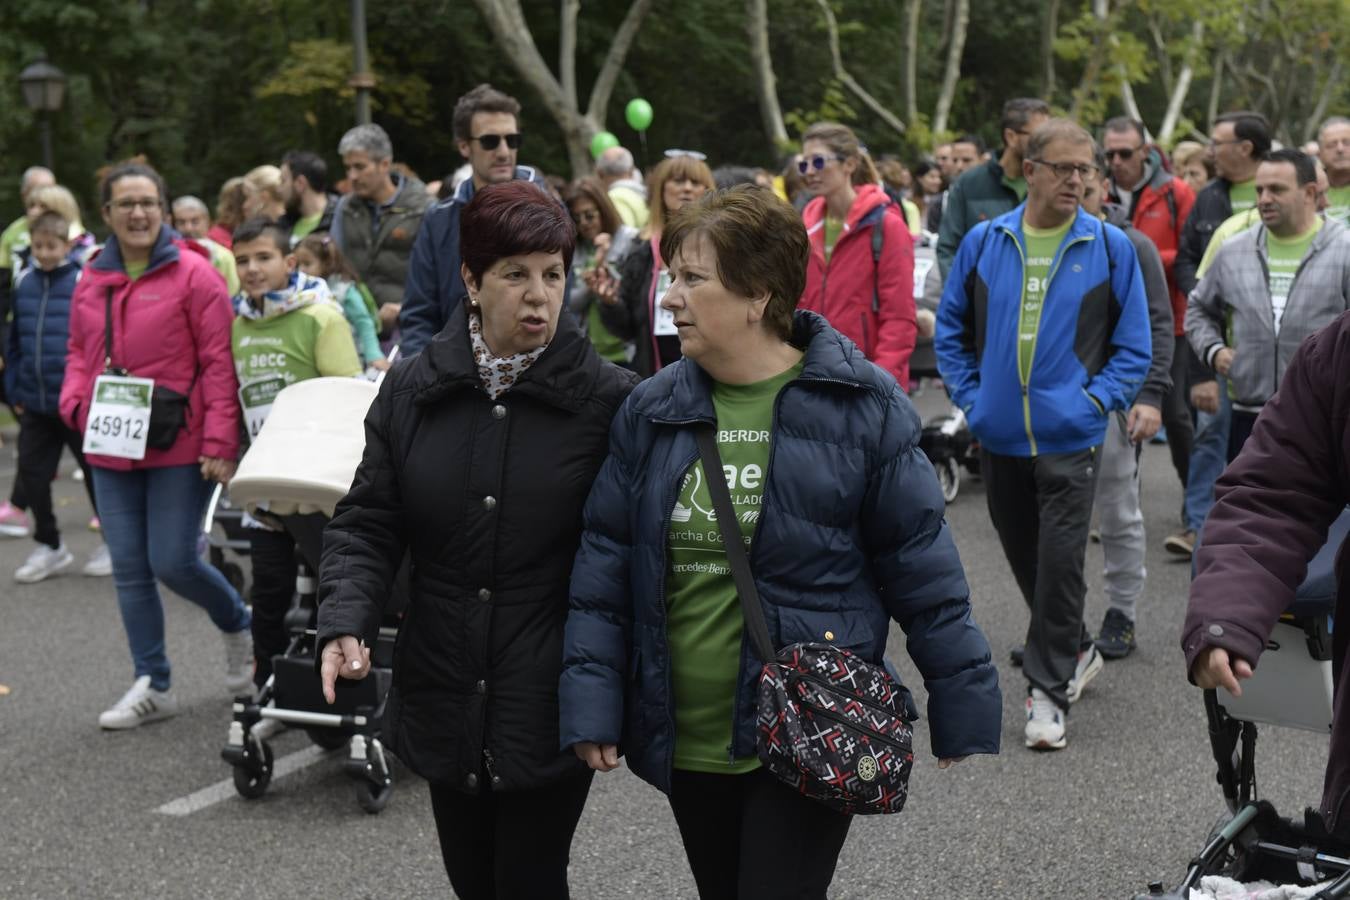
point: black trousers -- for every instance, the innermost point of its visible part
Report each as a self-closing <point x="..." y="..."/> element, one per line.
<point x="41" y="440"/>
<point x="509" y="845"/>
<point x="1176" y="411"/>
<point x="1239" y="429"/>
<point x="272" y="554"/>
<point x="1041" y="507"/>
<point x="751" y="837"/>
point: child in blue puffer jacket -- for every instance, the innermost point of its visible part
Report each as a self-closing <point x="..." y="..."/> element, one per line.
<point x="35" y="366"/>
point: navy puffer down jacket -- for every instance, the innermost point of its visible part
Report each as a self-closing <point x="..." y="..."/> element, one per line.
<point x="851" y="536"/>
<point x="35" y="360"/>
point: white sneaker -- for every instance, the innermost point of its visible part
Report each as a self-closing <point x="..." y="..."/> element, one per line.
<point x="1089" y="664"/>
<point x="99" y="564"/>
<point x="1045" y="722"/>
<point x="43" y="562"/>
<point x="238" y="661"/>
<point x="139" y="705"/>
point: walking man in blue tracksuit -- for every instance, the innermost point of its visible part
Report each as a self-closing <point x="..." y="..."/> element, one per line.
<point x="1042" y="332"/>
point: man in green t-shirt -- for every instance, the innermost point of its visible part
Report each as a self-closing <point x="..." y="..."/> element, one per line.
<point x="1269" y="287"/>
<point x="304" y="190"/>
<point x="288" y="329"/>
<point x="1333" y="147"/>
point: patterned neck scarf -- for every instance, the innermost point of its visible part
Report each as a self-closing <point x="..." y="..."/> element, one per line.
<point x="497" y="373"/>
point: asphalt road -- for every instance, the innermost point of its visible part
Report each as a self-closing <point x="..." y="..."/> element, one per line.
<point x="1129" y="800"/>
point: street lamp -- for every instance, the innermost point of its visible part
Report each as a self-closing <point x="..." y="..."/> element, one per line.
<point x="44" y="87"/>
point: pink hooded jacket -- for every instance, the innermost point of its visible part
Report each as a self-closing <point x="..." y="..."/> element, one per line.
<point x="173" y="325"/>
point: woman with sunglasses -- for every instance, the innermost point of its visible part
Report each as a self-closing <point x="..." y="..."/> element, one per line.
<point x="603" y="241"/>
<point x="635" y="313"/>
<point x="861" y="274"/>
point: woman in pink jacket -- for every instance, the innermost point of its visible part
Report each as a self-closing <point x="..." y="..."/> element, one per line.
<point x="151" y="317"/>
<point x="860" y="276"/>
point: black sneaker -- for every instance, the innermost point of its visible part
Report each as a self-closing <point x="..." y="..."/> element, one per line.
<point x="1116" y="639"/>
<point x="1016" y="655"/>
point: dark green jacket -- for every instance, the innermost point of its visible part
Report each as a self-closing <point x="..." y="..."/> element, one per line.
<point x="978" y="195"/>
<point x="380" y="254"/>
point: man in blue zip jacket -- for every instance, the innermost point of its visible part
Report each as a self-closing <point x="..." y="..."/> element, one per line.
<point x="486" y="125"/>
<point x="1042" y="332"/>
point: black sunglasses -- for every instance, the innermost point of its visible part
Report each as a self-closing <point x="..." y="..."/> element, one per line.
<point x="490" y="141"/>
<point x="1125" y="153"/>
<point x="806" y="164"/>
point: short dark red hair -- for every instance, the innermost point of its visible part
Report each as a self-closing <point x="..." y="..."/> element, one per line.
<point x="513" y="219"/>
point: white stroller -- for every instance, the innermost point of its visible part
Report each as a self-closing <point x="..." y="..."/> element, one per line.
<point x="298" y="468"/>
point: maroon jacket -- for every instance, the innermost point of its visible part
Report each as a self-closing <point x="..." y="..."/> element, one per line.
<point x="1273" y="507"/>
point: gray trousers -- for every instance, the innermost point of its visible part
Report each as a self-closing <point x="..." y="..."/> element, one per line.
<point x="1041" y="507"/>
<point x="1120" y="519"/>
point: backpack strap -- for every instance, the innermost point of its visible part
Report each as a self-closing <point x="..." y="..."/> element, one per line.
<point x="1170" y="196"/>
<point x="878" y="241"/>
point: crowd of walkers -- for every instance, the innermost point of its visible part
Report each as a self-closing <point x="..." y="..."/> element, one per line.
<point x="567" y="348"/>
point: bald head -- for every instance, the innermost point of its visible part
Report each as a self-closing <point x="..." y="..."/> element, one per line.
<point x="613" y="164"/>
<point x="33" y="178"/>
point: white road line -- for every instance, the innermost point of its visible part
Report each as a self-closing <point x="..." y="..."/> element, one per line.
<point x="224" y="790"/>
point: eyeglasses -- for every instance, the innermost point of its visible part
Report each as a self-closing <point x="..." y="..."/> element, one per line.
<point x="1063" y="171"/>
<point x="806" y="164"/>
<point x="491" y="141"/>
<point x="692" y="154"/>
<point x="1125" y="153"/>
<point x="126" y="206"/>
<point x="586" y="215"/>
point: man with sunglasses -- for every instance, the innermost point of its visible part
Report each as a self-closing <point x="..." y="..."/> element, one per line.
<point x="1157" y="205"/>
<point x="487" y="129"/>
<point x="985" y="191"/>
<point x="1042" y="335"/>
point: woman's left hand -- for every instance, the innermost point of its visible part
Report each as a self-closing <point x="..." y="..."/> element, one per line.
<point x="948" y="763"/>
<point x="221" y="470"/>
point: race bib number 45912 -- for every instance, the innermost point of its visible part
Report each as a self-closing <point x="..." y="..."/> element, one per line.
<point x="119" y="417"/>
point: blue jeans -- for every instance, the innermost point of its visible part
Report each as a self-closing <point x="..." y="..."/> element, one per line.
<point x="1209" y="456"/>
<point x="151" y="521"/>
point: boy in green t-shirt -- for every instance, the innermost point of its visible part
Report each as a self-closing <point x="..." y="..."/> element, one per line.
<point x="288" y="329"/>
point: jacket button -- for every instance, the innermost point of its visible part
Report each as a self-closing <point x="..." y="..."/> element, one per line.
<point x="499" y="412"/>
<point x="471" y="781"/>
<point x="484" y="594"/>
<point x="481" y="687"/>
<point x="1216" y="630"/>
<point x="829" y="635"/>
<point x="489" y="503"/>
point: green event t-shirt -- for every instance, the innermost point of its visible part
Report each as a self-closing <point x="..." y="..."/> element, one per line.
<point x="609" y="347"/>
<point x="270" y="354"/>
<point x="12" y="241"/>
<point x="1242" y="195"/>
<point x="832" y="228"/>
<point x="1042" y="245"/>
<point x="1018" y="184"/>
<point x="1234" y="224"/>
<point x="704" y="620"/>
<point x="304" y="226"/>
<point x="1284" y="256"/>
<point x="1338" y="204"/>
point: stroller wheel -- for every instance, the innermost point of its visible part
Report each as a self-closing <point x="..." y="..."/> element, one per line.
<point x="373" y="797"/>
<point x="328" y="738"/>
<point x="252" y="785"/>
<point x="949" y="476"/>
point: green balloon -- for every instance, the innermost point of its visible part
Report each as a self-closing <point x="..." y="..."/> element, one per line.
<point x="602" y="141"/>
<point x="639" y="114"/>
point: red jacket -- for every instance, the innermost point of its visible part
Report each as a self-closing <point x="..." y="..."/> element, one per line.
<point x="1162" y="221"/>
<point x="843" y="290"/>
<point x="173" y="325"/>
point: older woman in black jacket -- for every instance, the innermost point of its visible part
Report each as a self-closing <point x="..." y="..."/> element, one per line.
<point x="479" y="455"/>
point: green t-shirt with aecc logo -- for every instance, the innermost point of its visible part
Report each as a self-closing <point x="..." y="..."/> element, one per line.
<point x="1283" y="257"/>
<point x="1338" y="204"/>
<point x="1242" y="195"/>
<point x="704" y="624"/>
<point x="1042" y="245"/>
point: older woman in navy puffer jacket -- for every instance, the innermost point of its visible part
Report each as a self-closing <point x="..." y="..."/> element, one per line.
<point x="845" y="522"/>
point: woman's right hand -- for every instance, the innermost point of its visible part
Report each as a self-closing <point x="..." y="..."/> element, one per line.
<point x="600" y="757"/>
<point x="342" y="657"/>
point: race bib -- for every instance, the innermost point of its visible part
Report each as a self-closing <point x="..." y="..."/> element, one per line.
<point x="119" y="417"/>
<point x="256" y="398"/>
<point x="921" y="269"/>
<point x="663" y="320"/>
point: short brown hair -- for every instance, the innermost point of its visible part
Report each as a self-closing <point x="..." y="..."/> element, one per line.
<point x="764" y="237"/>
<point x="1057" y="130"/>
<point x="673" y="168"/>
<point x="484" y="98"/>
<point x="52" y="224"/>
<point x="509" y="219"/>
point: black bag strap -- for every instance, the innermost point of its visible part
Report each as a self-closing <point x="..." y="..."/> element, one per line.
<point x="732" y="542"/>
<point x="878" y="240"/>
<point x="107" y="330"/>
